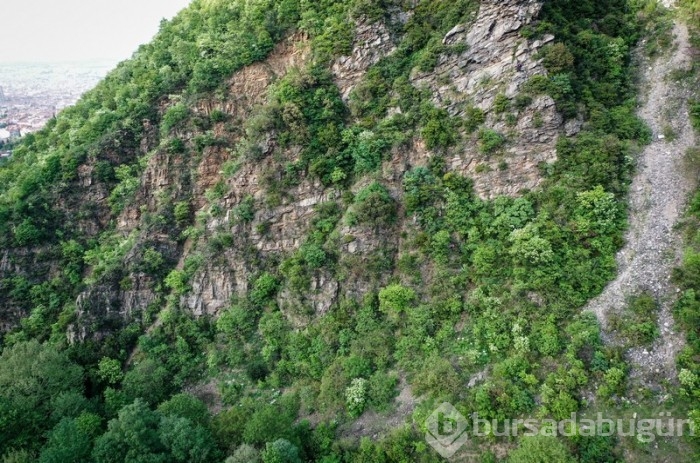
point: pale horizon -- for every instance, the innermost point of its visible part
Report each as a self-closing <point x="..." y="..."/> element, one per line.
<point x="65" y="31"/>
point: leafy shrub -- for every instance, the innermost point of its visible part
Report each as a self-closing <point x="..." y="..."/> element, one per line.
<point x="522" y="101"/>
<point x="637" y="324"/>
<point x="280" y="451"/>
<point x="557" y="58"/>
<point x="217" y="116"/>
<point x="356" y="397"/>
<point x="177" y="282"/>
<point x="396" y="298"/>
<point x="314" y="255"/>
<point x="490" y="141"/>
<point x="245" y="211"/>
<point x="474" y="117"/>
<point x="176" y="146"/>
<point x="427" y="59"/>
<point x="365" y="148"/>
<point x="26" y="233"/>
<point x="536" y="449"/>
<point x="32" y="376"/>
<point x="182" y="213"/>
<point x="381" y="389"/>
<point x="110" y="370"/>
<point x="244" y="454"/>
<point x="501" y="103"/>
<point x="124" y="191"/>
<point x="438" y="129"/>
<point x="173" y="116"/>
<point x="264" y="288"/>
<point x="373" y="206"/>
<point x="613" y="383"/>
<point x="695" y="115"/>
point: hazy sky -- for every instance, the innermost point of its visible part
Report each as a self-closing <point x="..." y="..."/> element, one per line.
<point x="77" y="30"/>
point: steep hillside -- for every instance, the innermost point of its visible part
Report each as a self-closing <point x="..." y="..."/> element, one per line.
<point x="288" y="230"/>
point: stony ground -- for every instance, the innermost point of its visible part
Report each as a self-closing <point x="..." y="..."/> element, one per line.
<point x="658" y="196"/>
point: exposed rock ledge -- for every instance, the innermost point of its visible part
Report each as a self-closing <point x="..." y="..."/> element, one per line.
<point x="497" y="60"/>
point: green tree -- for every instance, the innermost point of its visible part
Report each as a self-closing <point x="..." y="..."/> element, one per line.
<point x="281" y="451"/>
<point x="186" y="406"/>
<point x="185" y="441"/>
<point x="67" y="443"/>
<point x="110" y="370"/>
<point x="32" y="376"/>
<point x="244" y="454"/>
<point x="396" y="299"/>
<point x="132" y="437"/>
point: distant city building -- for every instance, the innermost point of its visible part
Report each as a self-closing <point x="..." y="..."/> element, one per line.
<point x="31" y="94"/>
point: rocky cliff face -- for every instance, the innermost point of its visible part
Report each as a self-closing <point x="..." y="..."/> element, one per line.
<point x="171" y="175"/>
<point x="496" y="60"/>
<point x="481" y="62"/>
<point x="493" y="59"/>
<point x="372" y="42"/>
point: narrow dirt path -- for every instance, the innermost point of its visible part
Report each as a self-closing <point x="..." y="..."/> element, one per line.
<point x="658" y="196"/>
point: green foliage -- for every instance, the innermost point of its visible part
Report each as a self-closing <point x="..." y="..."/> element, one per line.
<point x="365" y="148"/>
<point x="244" y="454"/>
<point x="281" y="451"/>
<point x="474" y="117"/>
<point x="637" y="324"/>
<point x="186" y="406"/>
<point x="185" y="441"/>
<point x="272" y="421"/>
<point x="273" y="328"/>
<point x="308" y="108"/>
<point x="124" y="191"/>
<point x="139" y="434"/>
<point x="695" y="114"/>
<point x="373" y="206"/>
<point x="67" y="442"/>
<point x="178" y="280"/>
<point x="106" y="258"/>
<point x="591" y="159"/>
<point x="540" y="449"/>
<point x="613" y="383"/>
<point x="264" y="288"/>
<point x="490" y="141"/>
<point x="530" y="249"/>
<point x="557" y="58"/>
<point x="245" y="211"/>
<point x="26" y="233"/>
<point x="438" y="129"/>
<point x="356" y="397"/>
<point x="501" y="280"/>
<point x="396" y="299"/>
<point x="182" y="213"/>
<point x="592" y="449"/>
<point x="32" y="376"/>
<point x="110" y="370"/>
<point x="381" y="389"/>
<point x="173" y="116"/>
<point x="501" y="103"/>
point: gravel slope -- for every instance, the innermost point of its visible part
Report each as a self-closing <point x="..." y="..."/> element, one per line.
<point x="658" y="196"/>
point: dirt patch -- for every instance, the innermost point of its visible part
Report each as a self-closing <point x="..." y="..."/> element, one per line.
<point x="375" y="425"/>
